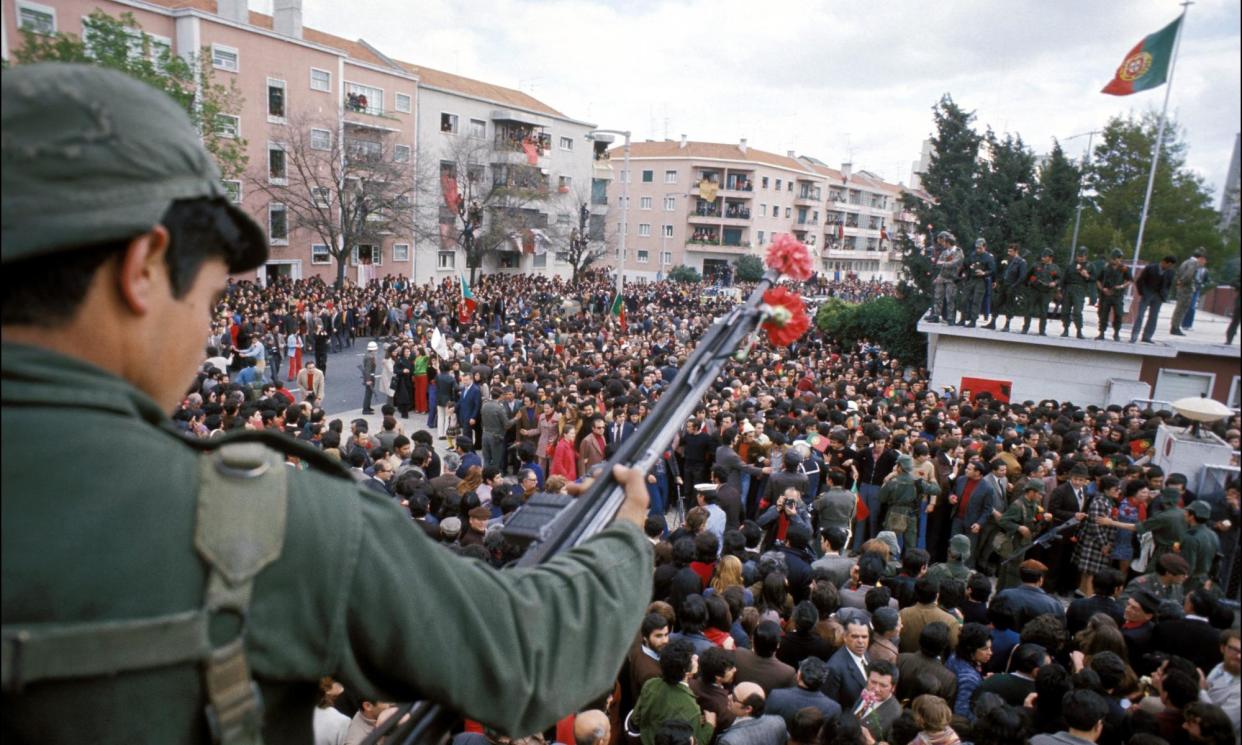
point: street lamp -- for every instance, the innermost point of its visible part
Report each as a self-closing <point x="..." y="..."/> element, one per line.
<point x="625" y="193"/>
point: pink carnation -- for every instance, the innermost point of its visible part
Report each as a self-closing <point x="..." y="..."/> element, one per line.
<point x="790" y="257"/>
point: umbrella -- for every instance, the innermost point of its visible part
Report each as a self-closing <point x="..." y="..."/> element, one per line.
<point x="1201" y="409"/>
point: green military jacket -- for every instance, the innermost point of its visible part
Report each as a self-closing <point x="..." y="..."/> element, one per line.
<point x="949" y="570"/>
<point x="1046" y="277"/>
<point x="1019" y="512"/>
<point x="1151" y="582"/>
<point x="1074" y="277"/>
<point x="99" y="498"/>
<point x="1167" y="527"/>
<point x="903" y="491"/>
<point x="1199" y="548"/>
<point x="1114" y="278"/>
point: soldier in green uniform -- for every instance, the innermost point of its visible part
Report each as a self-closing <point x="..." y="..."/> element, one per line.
<point x="1112" y="283"/>
<point x="1011" y="278"/>
<point x="955" y="567"/>
<point x="1021" y="521"/>
<point x="1078" y="280"/>
<point x="1165" y="579"/>
<point x="172" y="591"/>
<point x="1200" y="546"/>
<point x="1167" y="527"/>
<point x="947" y="265"/>
<point x="1043" y="284"/>
<point x="900" y="497"/>
<point x="980" y="266"/>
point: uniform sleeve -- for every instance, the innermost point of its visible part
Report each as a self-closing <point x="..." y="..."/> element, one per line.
<point x="516" y="649"/>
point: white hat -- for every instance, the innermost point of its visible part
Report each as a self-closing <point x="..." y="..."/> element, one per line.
<point x="371" y="347"/>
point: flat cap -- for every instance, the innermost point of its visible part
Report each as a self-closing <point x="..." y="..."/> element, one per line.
<point x="1035" y="485"/>
<point x="1200" y="509"/>
<point x="90" y="155"/>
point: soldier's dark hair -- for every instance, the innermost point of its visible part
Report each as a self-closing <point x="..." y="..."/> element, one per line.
<point x="47" y="290"/>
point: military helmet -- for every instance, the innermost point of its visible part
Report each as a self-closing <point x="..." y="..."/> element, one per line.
<point x="1046" y="253"/>
<point x="980" y="242"/>
<point x="945" y="235"/>
<point x="1115" y="253"/>
<point x="91" y="156"/>
<point x="1082" y="253"/>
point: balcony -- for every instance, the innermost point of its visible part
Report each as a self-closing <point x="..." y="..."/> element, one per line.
<point x="737" y="213"/>
<point x="711" y="247"/>
<point x="808" y="197"/>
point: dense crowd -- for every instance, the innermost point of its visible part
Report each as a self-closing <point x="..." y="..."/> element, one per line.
<point x="843" y="555"/>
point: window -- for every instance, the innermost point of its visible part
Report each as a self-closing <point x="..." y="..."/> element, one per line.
<point x="321" y="195"/>
<point x="400" y="252"/>
<point x="234" y="189"/>
<point x="320" y="80"/>
<point x="760" y="237"/>
<point x="277" y="169"/>
<point x="363" y="150"/>
<point x="567" y="143"/>
<point x="403" y="103"/>
<point x="778" y="184"/>
<point x="644" y="203"/>
<point x="763" y="210"/>
<point x="277" y="224"/>
<point x="224" y="58"/>
<point x="321" y="139"/>
<point x="565" y="183"/>
<point x="644" y="229"/>
<point x="788" y="212"/>
<point x="275" y="101"/>
<point x="765" y="182"/>
<point x="401" y="153"/>
<point x="376" y="254"/>
<point x="648" y="177"/>
<point x="670" y="204"/>
<point x="670" y="177"/>
<point x="668" y="231"/>
<point x="320" y="254"/>
<point x="1174" y="384"/>
<point x="228" y="125"/>
<point x="478" y="128"/>
<point x="1234" y="393"/>
<point x="643" y="256"/>
<point x="447" y="260"/>
<point x="539" y="261"/>
<point x="666" y="258"/>
<point x="364" y="99"/>
<point x="448" y="123"/>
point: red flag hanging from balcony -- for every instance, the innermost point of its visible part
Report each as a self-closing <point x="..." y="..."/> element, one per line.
<point x="532" y="151"/>
<point x="841" y="230"/>
<point x="528" y="242"/>
<point x="448" y="185"/>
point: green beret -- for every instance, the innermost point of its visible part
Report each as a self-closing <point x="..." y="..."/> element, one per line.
<point x="91" y="156"/>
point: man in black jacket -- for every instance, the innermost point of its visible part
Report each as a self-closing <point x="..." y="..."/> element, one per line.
<point x="1191" y="637"/>
<point x="1106" y="584"/>
<point x="1153" y="285"/>
<point x="1008" y="288"/>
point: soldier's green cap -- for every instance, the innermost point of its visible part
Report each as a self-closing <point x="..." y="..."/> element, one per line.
<point x="1199" y="253"/>
<point x="960" y="546"/>
<point x="1200" y="509"/>
<point x="1115" y="253"/>
<point x="1036" y="485"/>
<point x="905" y="463"/>
<point x="91" y="155"/>
<point x="1170" y="495"/>
<point x="1046" y="252"/>
<point x="1082" y="253"/>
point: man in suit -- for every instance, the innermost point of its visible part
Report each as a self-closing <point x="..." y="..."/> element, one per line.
<point x="760" y="665"/>
<point x="593" y="446"/>
<point x="785" y="702"/>
<point x="832" y="541"/>
<point x="1029" y="599"/>
<point x="728" y="498"/>
<point x="752" y="725"/>
<point x="878" y="708"/>
<point x="972" y="501"/>
<point x="847" y="676"/>
<point x="619" y="429"/>
<point x="469" y="404"/>
<point x="924" y="671"/>
<point x="1068" y="501"/>
<point x="727" y="456"/>
<point x="1191" y="637"/>
<point x="380" y="479"/>
<point x="642" y="663"/>
<point x="310" y="380"/>
<point x="1106" y="583"/>
<point x="1016" y="685"/>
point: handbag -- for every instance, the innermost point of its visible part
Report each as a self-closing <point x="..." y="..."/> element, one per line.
<point x="896" y="520"/>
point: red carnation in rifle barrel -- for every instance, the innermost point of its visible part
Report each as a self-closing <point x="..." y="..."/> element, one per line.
<point x="787" y="319"/>
<point x="790" y="257"/>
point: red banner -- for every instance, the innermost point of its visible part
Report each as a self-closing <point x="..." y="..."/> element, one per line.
<point x="1000" y="389"/>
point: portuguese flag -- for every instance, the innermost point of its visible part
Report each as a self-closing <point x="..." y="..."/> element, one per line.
<point x="1147" y="64"/>
<point x="618" y="312"/>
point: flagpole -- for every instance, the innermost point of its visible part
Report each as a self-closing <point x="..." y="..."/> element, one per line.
<point x="1155" y="157"/>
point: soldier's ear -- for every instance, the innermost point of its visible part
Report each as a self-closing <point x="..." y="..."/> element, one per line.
<point x="142" y="277"/>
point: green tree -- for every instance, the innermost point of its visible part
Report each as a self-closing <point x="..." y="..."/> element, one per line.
<point x="886" y="321"/>
<point x="749" y="268"/>
<point x="121" y="44"/>
<point x="1181" y="217"/>
<point x="1006" y="185"/>
<point x="1056" y="200"/>
<point x="684" y="274"/>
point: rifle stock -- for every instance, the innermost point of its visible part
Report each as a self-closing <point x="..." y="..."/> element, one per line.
<point x="429" y="723"/>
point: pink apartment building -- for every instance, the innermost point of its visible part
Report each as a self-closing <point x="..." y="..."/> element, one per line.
<point x="704" y="204"/>
<point x="347" y="95"/>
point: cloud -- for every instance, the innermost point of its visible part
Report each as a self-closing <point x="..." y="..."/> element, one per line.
<point x="834" y="80"/>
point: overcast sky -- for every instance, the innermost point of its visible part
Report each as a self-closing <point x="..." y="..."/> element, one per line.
<point x="839" y="81"/>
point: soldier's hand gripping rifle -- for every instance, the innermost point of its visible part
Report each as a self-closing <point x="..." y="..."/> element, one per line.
<point x="1043" y="540"/>
<point x="549" y="524"/>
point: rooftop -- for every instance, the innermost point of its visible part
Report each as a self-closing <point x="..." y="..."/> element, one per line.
<point x="711" y="151"/>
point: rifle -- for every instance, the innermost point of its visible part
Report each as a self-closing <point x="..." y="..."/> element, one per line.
<point x="550" y="524"/>
<point x="1043" y="540"/>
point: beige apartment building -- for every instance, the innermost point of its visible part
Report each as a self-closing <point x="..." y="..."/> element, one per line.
<point x="703" y="205"/>
<point x="303" y="87"/>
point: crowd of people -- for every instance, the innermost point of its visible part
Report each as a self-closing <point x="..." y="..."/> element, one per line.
<point x="843" y="555"/>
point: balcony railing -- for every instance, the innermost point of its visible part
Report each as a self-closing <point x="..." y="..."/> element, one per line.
<point x="359" y="105"/>
<point x="707" y="211"/>
<point x="737" y="214"/>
